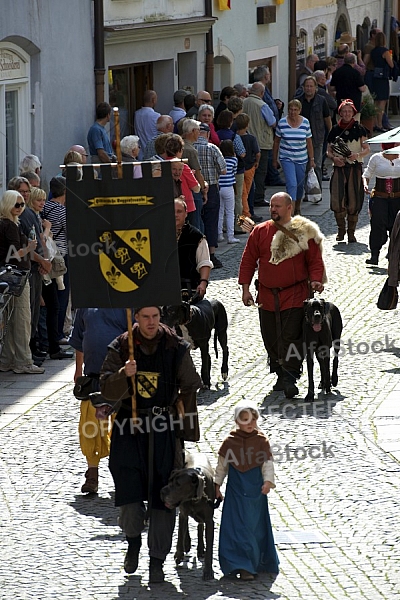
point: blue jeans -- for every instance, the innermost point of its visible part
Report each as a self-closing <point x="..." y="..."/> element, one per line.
<point x="260" y="175"/>
<point x="211" y="216"/>
<point x="194" y="217"/>
<point x="295" y="176"/>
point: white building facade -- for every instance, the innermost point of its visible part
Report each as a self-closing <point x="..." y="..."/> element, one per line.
<point x="320" y="24"/>
<point x="162" y="45"/>
<point x="251" y="34"/>
<point x="46" y="82"/>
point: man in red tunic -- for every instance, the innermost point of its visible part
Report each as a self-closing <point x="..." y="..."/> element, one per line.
<point x="288" y="254"/>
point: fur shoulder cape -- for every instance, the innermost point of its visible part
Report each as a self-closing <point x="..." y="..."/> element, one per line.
<point x="284" y="247"/>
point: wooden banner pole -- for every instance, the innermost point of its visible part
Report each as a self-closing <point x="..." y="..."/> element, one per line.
<point x="131" y="357"/>
<point x="118" y="142"/>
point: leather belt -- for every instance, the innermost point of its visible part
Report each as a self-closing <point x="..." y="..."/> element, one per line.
<point x="156" y="410"/>
<point x="380" y="194"/>
<point x="380" y="188"/>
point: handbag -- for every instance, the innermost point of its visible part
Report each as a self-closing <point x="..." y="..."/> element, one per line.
<point x="84" y="386"/>
<point x="388" y="297"/>
<point x="58" y="267"/>
<point x="382" y="72"/>
<point x="15" y="278"/>
<point x="313" y="191"/>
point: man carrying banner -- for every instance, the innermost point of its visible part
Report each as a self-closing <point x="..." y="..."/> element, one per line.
<point x="146" y="449"/>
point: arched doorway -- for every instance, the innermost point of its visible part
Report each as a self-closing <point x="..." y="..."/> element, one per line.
<point x="14" y="110"/>
<point x="342" y="26"/>
<point x="222" y="72"/>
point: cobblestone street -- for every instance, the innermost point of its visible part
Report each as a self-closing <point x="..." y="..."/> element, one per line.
<point x="336" y="517"/>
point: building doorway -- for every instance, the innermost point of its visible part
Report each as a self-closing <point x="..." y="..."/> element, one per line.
<point x="126" y="86"/>
<point x="14" y="111"/>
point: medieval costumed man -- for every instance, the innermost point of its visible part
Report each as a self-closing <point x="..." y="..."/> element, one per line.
<point x="144" y="450"/>
<point x="288" y="253"/>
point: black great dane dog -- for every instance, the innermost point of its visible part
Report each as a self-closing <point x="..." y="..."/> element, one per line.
<point x="196" y="322"/>
<point x="192" y="489"/>
<point x="321" y="331"/>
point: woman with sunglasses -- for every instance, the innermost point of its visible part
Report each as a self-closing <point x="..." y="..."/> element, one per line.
<point x="15" y="249"/>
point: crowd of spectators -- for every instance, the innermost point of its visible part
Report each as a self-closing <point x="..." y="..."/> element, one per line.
<point x="256" y="139"/>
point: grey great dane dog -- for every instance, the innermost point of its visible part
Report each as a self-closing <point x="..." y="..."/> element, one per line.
<point x="192" y="490"/>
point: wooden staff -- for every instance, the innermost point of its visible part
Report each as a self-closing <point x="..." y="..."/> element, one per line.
<point x="118" y="142"/>
<point x="131" y="357"/>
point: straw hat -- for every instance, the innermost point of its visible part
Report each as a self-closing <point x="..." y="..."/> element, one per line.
<point x="346" y="38"/>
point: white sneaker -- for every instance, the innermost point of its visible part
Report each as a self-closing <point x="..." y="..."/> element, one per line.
<point x="233" y="241"/>
<point x="221" y="238"/>
<point x="29" y="369"/>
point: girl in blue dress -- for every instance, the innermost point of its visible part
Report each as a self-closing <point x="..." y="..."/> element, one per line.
<point x="246" y="542"/>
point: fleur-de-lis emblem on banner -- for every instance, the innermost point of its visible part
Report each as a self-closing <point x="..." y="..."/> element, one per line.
<point x="138" y="241"/>
<point x="113" y="275"/>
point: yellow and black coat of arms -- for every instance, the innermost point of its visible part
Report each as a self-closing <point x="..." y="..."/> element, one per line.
<point x="125" y="258"/>
<point x="147" y="384"/>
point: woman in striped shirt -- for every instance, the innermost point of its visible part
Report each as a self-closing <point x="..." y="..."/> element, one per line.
<point x="227" y="193"/>
<point x="294" y="143"/>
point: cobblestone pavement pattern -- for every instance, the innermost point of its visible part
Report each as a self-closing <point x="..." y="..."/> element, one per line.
<point x="336" y="517"/>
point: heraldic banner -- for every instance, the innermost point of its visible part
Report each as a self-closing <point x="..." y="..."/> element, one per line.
<point x="121" y="235"/>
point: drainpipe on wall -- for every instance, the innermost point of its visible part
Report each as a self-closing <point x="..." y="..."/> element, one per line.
<point x="99" y="68"/>
<point x="292" y="49"/>
<point x="209" y="79"/>
<point x="387" y="13"/>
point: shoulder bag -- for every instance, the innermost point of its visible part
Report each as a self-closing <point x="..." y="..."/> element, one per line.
<point x="388" y="297"/>
<point x="15" y="278"/>
<point x="84" y="386"/>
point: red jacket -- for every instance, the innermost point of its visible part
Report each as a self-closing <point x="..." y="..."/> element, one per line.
<point x="292" y="274"/>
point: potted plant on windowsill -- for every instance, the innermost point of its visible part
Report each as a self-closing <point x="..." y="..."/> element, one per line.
<point x="368" y="112"/>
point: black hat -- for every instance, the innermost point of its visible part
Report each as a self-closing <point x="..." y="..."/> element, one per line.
<point x="204" y="127"/>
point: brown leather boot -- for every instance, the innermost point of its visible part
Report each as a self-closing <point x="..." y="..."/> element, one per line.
<point x="351" y="227"/>
<point x="341" y="223"/>
<point x="297" y="208"/>
<point x="91" y="484"/>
